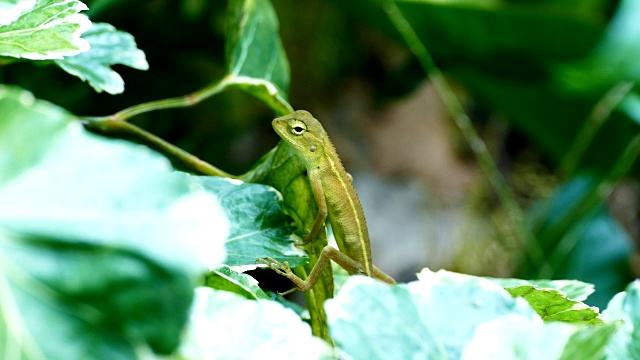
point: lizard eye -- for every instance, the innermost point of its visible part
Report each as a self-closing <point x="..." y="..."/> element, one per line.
<point x="298" y="129"/>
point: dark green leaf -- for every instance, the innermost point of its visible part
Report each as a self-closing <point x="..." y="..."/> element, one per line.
<point x="259" y="227"/>
<point x="108" y="47"/>
<point x="256" y="61"/>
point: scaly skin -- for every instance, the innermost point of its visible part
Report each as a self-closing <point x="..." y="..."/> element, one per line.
<point x="336" y="198"/>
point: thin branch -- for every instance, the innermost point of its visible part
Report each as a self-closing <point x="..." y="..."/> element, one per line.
<point x="171" y="103"/>
<point x="189" y="160"/>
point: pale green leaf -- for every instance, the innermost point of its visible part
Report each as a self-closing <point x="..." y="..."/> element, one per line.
<point x="553" y="305"/>
<point x="259" y="226"/>
<point x="574" y="289"/>
<point x="100" y="240"/>
<point x="625" y="306"/>
<point x="224" y="325"/>
<point x="49" y="30"/>
<point x="432" y="318"/>
<point x="256" y="61"/>
<point x="590" y="342"/>
<point x="108" y="47"/>
<point x="225" y="278"/>
<point x="518" y="337"/>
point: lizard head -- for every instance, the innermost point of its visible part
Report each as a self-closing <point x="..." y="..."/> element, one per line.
<point x="303" y="133"/>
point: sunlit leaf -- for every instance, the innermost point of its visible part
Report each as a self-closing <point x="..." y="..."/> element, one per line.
<point x="49" y="30"/>
<point x="227" y="326"/>
<point x="553" y="305"/>
<point x="10" y="10"/>
<point x="431" y="318"/>
<point x="574" y="289"/>
<point x="625" y="306"/>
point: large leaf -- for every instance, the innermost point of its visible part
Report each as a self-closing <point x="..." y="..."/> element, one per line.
<point x="432" y="318"/>
<point x="451" y="316"/>
<point x="226" y="326"/>
<point x="108" y="47"/>
<point x="625" y="306"/>
<point x="99" y="237"/>
<point x="256" y="61"/>
<point x="49" y="30"/>
<point x="259" y="227"/>
<point x="613" y="60"/>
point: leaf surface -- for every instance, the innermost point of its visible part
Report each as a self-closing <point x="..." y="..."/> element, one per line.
<point x="97" y="236"/>
<point x="108" y="47"/>
<point x="50" y="29"/>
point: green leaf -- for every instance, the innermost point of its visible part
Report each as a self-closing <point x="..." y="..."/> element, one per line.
<point x="225" y="278"/>
<point x="625" y="306"/>
<point x="613" y="60"/>
<point x="49" y="30"/>
<point x="256" y="61"/>
<point x="519" y="337"/>
<point x="97" y="236"/>
<point x="259" y="226"/>
<point x="553" y="305"/>
<point x="573" y="289"/>
<point x="108" y="47"/>
<point x="227" y="326"/>
<point x="431" y="318"/>
<point x="590" y="343"/>
<point x="283" y="170"/>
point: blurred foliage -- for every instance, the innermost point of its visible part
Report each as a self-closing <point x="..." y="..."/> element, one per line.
<point x="543" y="65"/>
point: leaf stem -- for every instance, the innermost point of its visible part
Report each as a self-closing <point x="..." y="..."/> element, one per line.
<point x="191" y="161"/>
<point x="463" y="123"/>
<point x="598" y="116"/>
<point x="177" y="102"/>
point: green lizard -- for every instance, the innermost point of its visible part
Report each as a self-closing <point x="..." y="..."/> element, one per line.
<point x="334" y="193"/>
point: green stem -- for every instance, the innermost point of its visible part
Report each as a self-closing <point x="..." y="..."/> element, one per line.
<point x="463" y="123"/>
<point x="189" y="160"/>
<point x="598" y="116"/>
<point x="176" y="102"/>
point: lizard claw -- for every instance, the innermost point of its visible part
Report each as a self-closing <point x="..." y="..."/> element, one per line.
<point x="281" y="268"/>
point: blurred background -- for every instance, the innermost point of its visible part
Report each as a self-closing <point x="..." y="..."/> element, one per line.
<point x="548" y="84"/>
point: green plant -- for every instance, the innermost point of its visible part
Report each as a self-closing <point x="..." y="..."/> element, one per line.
<point x="107" y="251"/>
